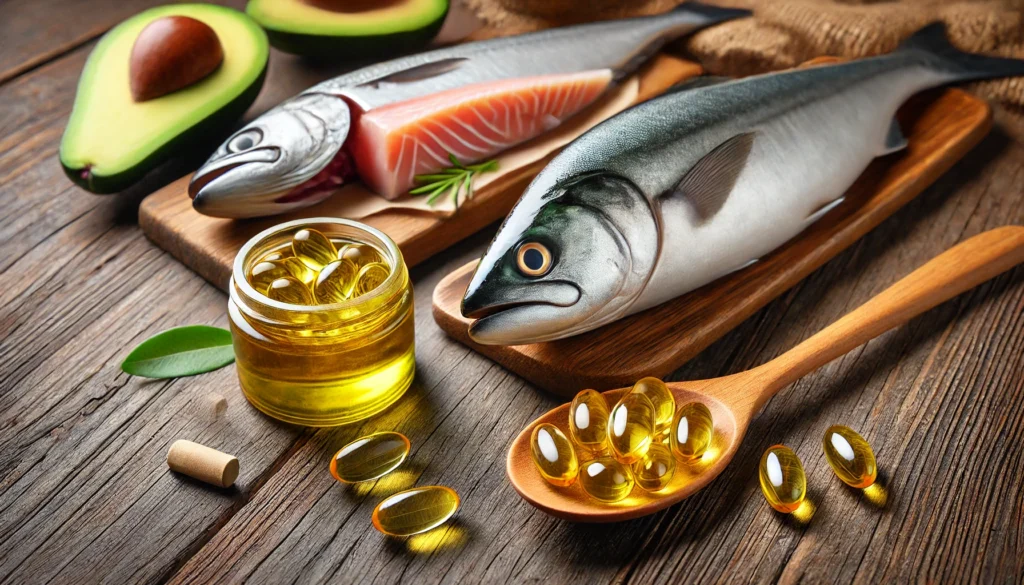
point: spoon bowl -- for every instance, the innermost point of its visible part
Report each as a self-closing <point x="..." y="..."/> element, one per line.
<point x="734" y="400"/>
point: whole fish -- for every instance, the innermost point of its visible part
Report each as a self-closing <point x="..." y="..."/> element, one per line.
<point x="393" y="120"/>
<point x="685" y="188"/>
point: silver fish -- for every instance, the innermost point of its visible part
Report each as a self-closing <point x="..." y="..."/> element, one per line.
<point x="292" y="156"/>
<point x="680" y="190"/>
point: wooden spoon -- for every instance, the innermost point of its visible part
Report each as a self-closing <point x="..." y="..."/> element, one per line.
<point x="735" y="399"/>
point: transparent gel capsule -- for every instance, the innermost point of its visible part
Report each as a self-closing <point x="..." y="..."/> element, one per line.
<point x="553" y="455"/>
<point x="369" y="277"/>
<point x="334" y="283"/>
<point x="850" y="456"/>
<point x="313" y="248"/>
<point x="606" y="479"/>
<point x="692" y="430"/>
<point x="631" y="427"/>
<point x="415" y="510"/>
<point x="360" y="254"/>
<point x="267" y="272"/>
<point x="782" y="478"/>
<point x="654" y="470"/>
<point x="290" y="290"/>
<point x="369" y="457"/>
<point x="299" y="270"/>
<point x="588" y="421"/>
<point x="664" y="403"/>
<point x="272" y="256"/>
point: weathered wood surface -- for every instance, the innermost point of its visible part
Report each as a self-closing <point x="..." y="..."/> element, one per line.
<point x="85" y="495"/>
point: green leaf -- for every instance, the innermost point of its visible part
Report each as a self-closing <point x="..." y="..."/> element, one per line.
<point x="182" y="351"/>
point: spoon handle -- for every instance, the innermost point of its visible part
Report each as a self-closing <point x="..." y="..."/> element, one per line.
<point x="956" y="270"/>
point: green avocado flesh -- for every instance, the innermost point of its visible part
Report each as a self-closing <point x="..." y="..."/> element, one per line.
<point x="111" y="141"/>
<point x="367" y="29"/>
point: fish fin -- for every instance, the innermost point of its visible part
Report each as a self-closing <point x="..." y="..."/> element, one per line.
<point x="821" y="211"/>
<point x="707" y="185"/>
<point x="419" y="72"/>
<point x="698" y="82"/>
<point x="894" y="139"/>
<point x="965" y="66"/>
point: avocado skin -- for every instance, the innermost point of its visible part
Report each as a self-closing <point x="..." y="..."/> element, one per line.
<point x="197" y="136"/>
<point x="354" y="48"/>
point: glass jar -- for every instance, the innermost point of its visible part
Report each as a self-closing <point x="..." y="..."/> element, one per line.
<point x="322" y="365"/>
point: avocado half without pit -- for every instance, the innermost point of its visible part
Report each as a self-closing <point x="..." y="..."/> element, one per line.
<point x="346" y="30"/>
<point x="164" y="81"/>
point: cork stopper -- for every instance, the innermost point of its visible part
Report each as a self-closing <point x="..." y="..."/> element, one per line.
<point x="203" y="463"/>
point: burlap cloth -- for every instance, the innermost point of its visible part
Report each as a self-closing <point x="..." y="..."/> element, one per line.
<point x="784" y="33"/>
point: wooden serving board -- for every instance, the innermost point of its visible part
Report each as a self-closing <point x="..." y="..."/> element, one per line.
<point x="941" y="127"/>
<point x="208" y="244"/>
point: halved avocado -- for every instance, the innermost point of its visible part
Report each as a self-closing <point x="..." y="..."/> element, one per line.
<point x="349" y="29"/>
<point x="111" y="141"/>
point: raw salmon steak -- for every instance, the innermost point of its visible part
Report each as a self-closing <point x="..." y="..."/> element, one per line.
<point x="394" y="143"/>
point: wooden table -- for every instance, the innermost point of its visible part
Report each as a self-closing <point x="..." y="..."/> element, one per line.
<point x="85" y="494"/>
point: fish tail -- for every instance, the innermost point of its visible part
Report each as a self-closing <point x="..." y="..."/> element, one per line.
<point x="966" y="66"/>
<point x="712" y="14"/>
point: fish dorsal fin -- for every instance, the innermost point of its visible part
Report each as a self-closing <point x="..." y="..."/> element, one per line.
<point x="894" y="139"/>
<point x="708" y="183"/>
<point x="698" y="82"/>
<point x="418" y="72"/>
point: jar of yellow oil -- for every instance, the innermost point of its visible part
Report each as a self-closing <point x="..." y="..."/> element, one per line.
<point x="321" y="315"/>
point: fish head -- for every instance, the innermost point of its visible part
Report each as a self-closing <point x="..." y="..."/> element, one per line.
<point x="255" y="170"/>
<point x="565" y="266"/>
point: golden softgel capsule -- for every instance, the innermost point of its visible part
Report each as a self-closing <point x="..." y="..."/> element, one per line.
<point x="588" y="421"/>
<point x="631" y="427"/>
<point x="661" y="398"/>
<point x="313" y="248"/>
<point x="654" y="470"/>
<point x="606" y="479"/>
<point x="335" y="281"/>
<point x="782" y="478"/>
<point x="369" y="457"/>
<point x="554" y="455"/>
<point x="290" y="290"/>
<point x="850" y="456"/>
<point x="416" y="510"/>
<point x="692" y="430"/>
<point x="369" y="278"/>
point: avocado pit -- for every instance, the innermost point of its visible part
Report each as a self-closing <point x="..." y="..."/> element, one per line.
<point x="171" y="53"/>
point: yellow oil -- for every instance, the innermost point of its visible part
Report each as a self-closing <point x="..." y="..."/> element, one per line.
<point x="554" y="456"/>
<point x="606" y="479"/>
<point x="415" y="510"/>
<point x="664" y="403"/>
<point x="692" y="430"/>
<point x="850" y="456"/>
<point x="782" y="478"/>
<point x="588" y="421"/>
<point x="322" y="364"/>
<point x="370" y="457"/>
<point x="655" y="469"/>
<point x="631" y="427"/>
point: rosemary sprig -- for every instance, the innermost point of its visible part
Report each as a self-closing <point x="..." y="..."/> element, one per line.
<point x="452" y="181"/>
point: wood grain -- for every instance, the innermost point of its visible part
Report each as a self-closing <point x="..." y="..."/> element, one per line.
<point x="941" y="128"/>
<point x="85" y="496"/>
<point x="208" y="244"/>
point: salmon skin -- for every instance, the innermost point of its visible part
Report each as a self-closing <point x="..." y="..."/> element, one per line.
<point x="390" y="121"/>
<point x="680" y="190"/>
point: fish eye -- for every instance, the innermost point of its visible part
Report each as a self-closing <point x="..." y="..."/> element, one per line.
<point x="245" y="140"/>
<point x="533" y="259"/>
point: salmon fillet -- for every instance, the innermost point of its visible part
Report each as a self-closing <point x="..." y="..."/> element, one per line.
<point x="392" y="144"/>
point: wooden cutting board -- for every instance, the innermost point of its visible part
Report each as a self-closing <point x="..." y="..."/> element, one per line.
<point x="941" y="127"/>
<point x="208" y="245"/>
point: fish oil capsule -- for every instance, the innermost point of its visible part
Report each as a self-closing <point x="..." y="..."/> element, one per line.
<point x="588" y="421"/>
<point x="290" y="290"/>
<point x="415" y="510"/>
<point x="553" y="455"/>
<point x="850" y="456"/>
<point x="664" y="403"/>
<point x="654" y="470"/>
<point x="631" y="427"/>
<point x="370" y="277"/>
<point x="313" y="248"/>
<point x="334" y="283"/>
<point x="692" y="430"/>
<point x="272" y="256"/>
<point x="360" y="254"/>
<point x="369" y="457"/>
<point x="264" y="273"/>
<point x="606" y="479"/>
<point x="782" y="478"/>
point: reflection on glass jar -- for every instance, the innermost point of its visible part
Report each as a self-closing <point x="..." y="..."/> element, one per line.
<point x="323" y="364"/>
